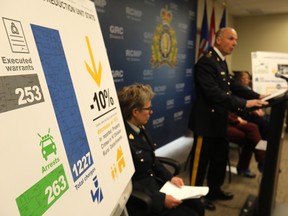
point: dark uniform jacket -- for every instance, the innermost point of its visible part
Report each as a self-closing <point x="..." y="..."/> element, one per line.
<point x="216" y="94"/>
<point x="150" y="175"/>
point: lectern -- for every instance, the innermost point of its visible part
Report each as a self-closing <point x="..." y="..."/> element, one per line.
<point x="264" y="204"/>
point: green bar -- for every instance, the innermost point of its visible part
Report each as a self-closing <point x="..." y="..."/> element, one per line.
<point x="41" y="196"/>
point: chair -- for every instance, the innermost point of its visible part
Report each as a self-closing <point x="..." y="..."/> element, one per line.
<point x="140" y="200"/>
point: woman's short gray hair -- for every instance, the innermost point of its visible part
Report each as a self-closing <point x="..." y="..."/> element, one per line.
<point x="134" y="96"/>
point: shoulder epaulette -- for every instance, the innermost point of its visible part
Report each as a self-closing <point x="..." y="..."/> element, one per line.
<point x="209" y="54"/>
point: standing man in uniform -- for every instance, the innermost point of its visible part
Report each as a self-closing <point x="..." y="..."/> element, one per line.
<point x="216" y="94"/>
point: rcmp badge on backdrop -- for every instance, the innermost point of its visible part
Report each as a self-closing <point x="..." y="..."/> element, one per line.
<point x="164" y="50"/>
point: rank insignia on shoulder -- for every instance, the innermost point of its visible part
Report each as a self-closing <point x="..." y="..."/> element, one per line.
<point x="222" y="73"/>
<point x="209" y="54"/>
<point x="131" y="137"/>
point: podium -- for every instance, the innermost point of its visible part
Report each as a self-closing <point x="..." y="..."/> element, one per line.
<point x="264" y="204"/>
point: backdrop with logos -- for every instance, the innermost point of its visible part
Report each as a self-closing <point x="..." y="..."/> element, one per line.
<point x="153" y="42"/>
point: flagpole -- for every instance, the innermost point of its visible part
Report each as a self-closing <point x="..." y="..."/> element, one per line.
<point x="223" y="19"/>
<point x="204" y="43"/>
<point x="212" y="26"/>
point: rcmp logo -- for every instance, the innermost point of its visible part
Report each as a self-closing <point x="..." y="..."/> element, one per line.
<point x="164" y="50"/>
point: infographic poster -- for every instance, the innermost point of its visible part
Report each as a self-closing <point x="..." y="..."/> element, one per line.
<point x="264" y="67"/>
<point x="64" y="149"/>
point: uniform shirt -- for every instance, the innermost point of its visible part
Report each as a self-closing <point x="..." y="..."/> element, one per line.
<point x="150" y="175"/>
<point x="216" y="93"/>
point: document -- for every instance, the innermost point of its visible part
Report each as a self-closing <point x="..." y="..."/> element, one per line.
<point x="275" y="94"/>
<point x="185" y="192"/>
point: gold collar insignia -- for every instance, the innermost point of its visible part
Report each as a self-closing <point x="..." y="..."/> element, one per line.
<point x="131" y="137"/>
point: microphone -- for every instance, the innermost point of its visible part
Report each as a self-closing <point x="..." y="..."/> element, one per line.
<point x="278" y="75"/>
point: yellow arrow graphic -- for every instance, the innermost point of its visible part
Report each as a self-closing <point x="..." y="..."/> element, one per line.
<point x="96" y="75"/>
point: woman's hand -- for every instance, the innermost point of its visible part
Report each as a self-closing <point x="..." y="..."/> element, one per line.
<point x="177" y="181"/>
<point x="171" y="202"/>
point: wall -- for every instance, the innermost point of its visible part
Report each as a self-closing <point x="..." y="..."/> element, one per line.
<point x="264" y="33"/>
<point x="255" y="33"/>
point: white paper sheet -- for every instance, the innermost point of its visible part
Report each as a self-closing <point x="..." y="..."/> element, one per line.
<point x="185" y="192"/>
<point x="275" y="94"/>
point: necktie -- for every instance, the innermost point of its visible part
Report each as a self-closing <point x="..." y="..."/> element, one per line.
<point x="142" y="133"/>
<point x="225" y="66"/>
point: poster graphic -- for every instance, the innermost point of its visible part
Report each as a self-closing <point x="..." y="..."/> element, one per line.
<point x="63" y="140"/>
<point x="265" y="66"/>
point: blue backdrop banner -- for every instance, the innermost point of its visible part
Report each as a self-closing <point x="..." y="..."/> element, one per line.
<point x="153" y="42"/>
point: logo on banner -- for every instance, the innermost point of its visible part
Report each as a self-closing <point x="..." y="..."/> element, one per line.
<point x="159" y="122"/>
<point x="164" y="49"/>
<point x="178" y="115"/>
<point x="187" y="99"/>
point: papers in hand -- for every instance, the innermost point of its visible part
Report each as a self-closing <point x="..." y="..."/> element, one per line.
<point x="185" y="192"/>
<point x="275" y="94"/>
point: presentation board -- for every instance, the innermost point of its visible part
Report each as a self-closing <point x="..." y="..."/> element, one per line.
<point x="64" y="149"/>
<point x="264" y="67"/>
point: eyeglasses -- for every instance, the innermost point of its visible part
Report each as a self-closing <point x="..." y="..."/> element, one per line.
<point x="147" y="108"/>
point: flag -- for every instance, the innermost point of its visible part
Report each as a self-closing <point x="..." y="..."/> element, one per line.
<point x="204" y="37"/>
<point x="223" y="19"/>
<point x="212" y="27"/>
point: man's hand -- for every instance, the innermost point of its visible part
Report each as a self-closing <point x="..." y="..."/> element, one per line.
<point x="171" y="202"/>
<point x="255" y="103"/>
<point x="263" y="96"/>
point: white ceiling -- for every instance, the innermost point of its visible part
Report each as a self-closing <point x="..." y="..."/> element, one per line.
<point x="255" y="7"/>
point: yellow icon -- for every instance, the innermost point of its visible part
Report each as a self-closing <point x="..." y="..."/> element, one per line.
<point x="131" y="137"/>
<point x="120" y="159"/>
<point x="114" y="172"/>
<point x="120" y="164"/>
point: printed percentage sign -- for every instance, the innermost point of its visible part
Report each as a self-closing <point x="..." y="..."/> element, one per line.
<point x="108" y="98"/>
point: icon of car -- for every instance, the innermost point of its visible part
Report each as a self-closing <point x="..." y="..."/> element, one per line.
<point x="48" y="146"/>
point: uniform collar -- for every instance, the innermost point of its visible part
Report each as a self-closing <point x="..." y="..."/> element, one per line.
<point x="219" y="53"/>
<point x="134" y="127"/>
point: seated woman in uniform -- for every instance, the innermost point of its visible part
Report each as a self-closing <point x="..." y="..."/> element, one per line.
<point x="150" y="175"/>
